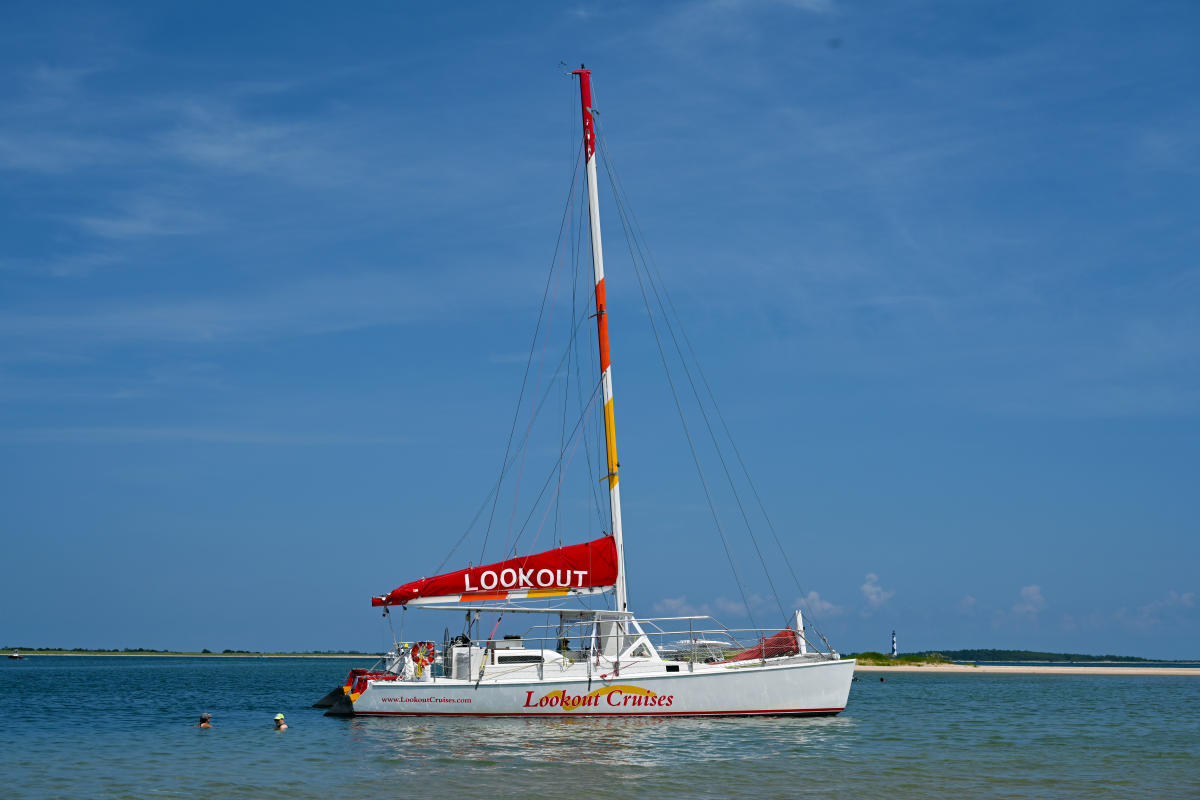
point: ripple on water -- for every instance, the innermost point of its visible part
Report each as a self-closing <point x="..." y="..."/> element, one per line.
<point x="116" y="728"/>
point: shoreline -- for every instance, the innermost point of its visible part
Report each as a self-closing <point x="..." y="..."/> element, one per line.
<point x="27" y="654"/>
<point x="1007" y="669"/>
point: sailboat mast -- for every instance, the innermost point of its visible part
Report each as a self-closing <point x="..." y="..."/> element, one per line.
<point x="610" y="431"/>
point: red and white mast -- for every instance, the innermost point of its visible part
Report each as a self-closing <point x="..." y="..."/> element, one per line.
<point x="610" y="431"/>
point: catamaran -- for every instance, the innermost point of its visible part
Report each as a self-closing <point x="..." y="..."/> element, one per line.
<point x="587" y="661"/>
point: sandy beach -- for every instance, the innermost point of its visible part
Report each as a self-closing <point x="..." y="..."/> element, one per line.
<point x="1006" y="669"/>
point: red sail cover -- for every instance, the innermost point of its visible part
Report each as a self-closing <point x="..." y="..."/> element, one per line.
<point x="783" y="643"/>
<point x="550" y="573"/>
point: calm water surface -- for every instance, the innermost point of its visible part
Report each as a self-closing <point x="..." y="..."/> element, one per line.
<point x="83" y="727"/>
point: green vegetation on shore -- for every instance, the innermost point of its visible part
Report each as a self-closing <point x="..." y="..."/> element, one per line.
<point x="143" y="651"/>
<point x="1030" y="655"/>
<point x="871" y="658"/>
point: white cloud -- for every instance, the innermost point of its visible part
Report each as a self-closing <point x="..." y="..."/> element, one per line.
<point x="818" y="606"/>
<point x="815" y="6"/>
<point x="680" y="607"/>
<point x="51" y="152"/>
<point x="145" y="217"/>
<point x="1157" y="612"/>
<point x="62" y="266"/>
<point x="967" y="604"/>
<point x="335" y="303"/>
<point x="1031" y="601"/>
<point x="873" y="593"/>
<point x="159" y="435"/>
<point x="737" y="608"/>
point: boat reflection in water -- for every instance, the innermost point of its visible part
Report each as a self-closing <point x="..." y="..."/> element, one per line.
<point x="600" y="743"/>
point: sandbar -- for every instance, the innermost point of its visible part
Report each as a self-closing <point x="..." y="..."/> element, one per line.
<point x="1015" y="669"/>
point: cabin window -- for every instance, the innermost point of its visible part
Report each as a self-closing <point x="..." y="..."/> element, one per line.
<point x="641" y="651"/>
<point x="518" y="659"/>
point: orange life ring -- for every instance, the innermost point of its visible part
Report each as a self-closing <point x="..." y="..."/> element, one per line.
<point x="423" y="653"/>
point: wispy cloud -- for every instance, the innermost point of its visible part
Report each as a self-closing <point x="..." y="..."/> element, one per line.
<point x="1031" y="603"/>
<point x="316" y="306"/>
<point x="680" y="607"/>
<point x="62" y="266"/>
<point x="737" y="607"/>
<point x="967" y="605"/>
<point x="170" y="436"/>
<point x="875" y="595"/>
<point x="818" y="606"/>
<point x="691" y="31"/>
<point x="214" y="134"/>
<point x="53" y="152"/>
<point x="1158" y="612"/>
<point x="146" y="216"/>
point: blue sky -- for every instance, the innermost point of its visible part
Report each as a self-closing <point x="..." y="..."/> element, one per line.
<point x="269" y="274"/>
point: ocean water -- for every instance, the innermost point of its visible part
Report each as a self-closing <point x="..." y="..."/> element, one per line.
<point x="96" y="727"/>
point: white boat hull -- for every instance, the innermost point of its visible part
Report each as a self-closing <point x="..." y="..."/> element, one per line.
<point x="791" y="687"/>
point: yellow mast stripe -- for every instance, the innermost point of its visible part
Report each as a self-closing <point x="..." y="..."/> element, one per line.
<point x="610" y="433"/>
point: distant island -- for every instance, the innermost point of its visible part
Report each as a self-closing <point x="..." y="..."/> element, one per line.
<point x="144" y="651"/>
<point x="873" y="658"/>
<point x="1033" y="655"/>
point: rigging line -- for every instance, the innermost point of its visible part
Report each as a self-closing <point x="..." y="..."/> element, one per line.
<point x="708" y="425"/>
<point x="625" y="222"/>
<point x="643" y="250"/>
<point x="558" y="489"/>
<point x="584" y="307"/>
<point x="529" y="428"/>
<point x="754" y="489"/>
<point x="587" y="304"/>
<point x="671" y="382"/>
<point x="529" y="360"/>
<point x="720" y="415"/>
<point x="574" y="359"/>
<point x="643" y="244"/>
<point x="512" y="460"/>
<point x="579" y="423"/>
<point x="567" y="381"/>
<point x="603" y="508"/>
<point x="594" y="494"/>
<point x="467" y="532"/>
<point x="557" y="273"/>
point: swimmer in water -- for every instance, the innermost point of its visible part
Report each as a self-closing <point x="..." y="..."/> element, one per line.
<point x="280" y="725"/>
<point x="205" y="721"/>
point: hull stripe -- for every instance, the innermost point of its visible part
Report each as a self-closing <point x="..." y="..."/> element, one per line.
<point x="777" y="712"/>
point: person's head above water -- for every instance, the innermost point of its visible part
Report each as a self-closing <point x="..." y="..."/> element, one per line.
<point x="279" y="723"/>
<point x="205" y="717"/>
